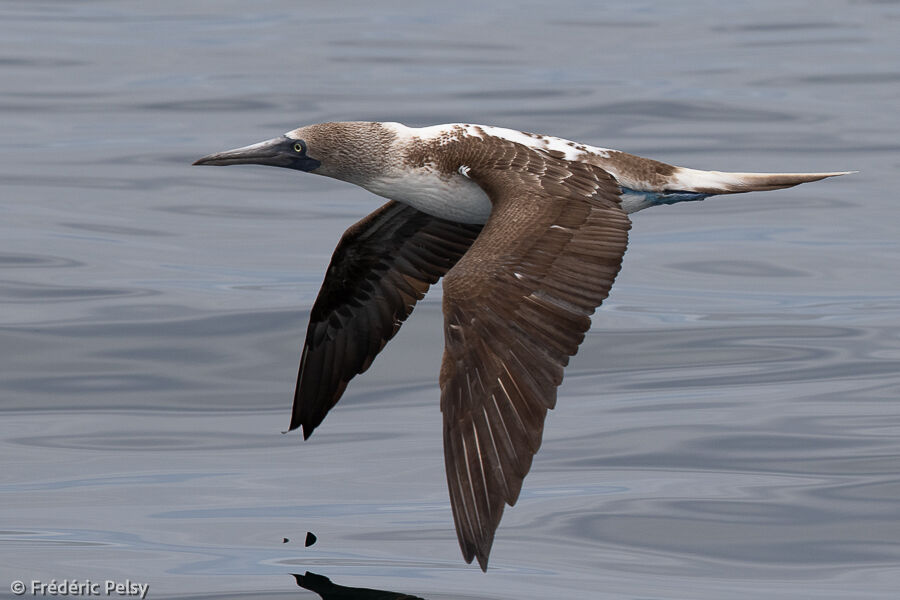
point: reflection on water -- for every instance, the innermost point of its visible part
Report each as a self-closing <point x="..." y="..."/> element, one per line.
<point x="729" y="429"/>
<point x="331" y="591"/>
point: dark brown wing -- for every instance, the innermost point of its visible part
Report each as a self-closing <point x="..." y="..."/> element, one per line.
<point x="516" y="307"/>
<point x="382" y="266"/>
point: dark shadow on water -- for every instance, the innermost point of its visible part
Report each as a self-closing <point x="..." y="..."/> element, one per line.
<point x="328" y="590"/>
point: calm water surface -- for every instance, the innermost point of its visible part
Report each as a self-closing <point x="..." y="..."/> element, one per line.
<point x="729" y="429"/>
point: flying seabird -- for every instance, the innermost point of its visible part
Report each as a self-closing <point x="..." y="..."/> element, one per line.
<point x="528" y="232"/>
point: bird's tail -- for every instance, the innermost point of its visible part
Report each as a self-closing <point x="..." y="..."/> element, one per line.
<point x="718" y="182"/>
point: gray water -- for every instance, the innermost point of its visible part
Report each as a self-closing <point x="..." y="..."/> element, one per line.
<point x="729" y="429"/>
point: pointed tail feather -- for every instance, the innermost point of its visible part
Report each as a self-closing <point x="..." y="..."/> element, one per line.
<point x="718" y="182"/>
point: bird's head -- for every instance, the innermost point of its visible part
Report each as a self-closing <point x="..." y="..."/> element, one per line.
<point x="350" y="151"/>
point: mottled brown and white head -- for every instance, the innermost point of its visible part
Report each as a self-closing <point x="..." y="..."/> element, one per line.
<point x="419" y="167"/>
<point x="355" y="151"/>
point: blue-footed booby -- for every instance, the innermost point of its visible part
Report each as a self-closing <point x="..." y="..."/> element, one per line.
<point x="528" y="232"/>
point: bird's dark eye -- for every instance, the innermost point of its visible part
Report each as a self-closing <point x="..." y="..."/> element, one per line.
<point x="298" y="147"/>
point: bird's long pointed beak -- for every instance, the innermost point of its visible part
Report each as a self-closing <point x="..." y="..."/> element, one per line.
<point x="278" y="152"/>
<point x="275" y="152"/>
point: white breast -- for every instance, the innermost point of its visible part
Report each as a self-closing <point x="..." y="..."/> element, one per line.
<point x="455" y="198"/>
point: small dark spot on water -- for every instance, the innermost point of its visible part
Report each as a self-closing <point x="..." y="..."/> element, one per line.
<point x="310" y="539"/>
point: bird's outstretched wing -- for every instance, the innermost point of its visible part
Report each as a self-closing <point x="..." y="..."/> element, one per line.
<point x="382" y="266"/>
<point x="516" y="307"/>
